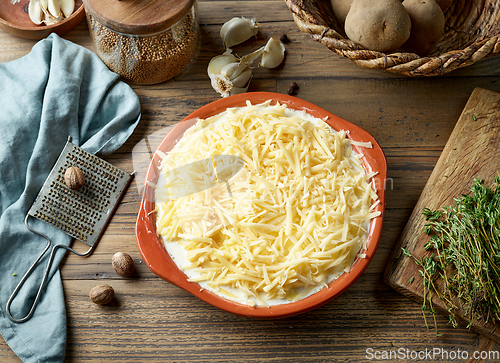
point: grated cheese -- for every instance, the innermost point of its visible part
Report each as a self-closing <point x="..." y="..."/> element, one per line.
<point x="263" y="204"/>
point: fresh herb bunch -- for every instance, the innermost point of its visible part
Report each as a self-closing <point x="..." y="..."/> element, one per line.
<point x="465" y="259"/>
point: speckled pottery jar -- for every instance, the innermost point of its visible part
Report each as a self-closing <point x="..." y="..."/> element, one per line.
<point x="144" y="41"/>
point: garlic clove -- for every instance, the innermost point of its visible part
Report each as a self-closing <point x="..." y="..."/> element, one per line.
<point x="54" y="8"/>
<point x="237" y="30"/>
<point x="274" y="53"/>
<point x="238" y="85"/>
<point x="246" y="61"/>
<point x="218" y="62"/>
<point x="50" y="11"/>
<point x="67" y="7"/>
<point x="45" y="13"/>
<point x="228" y="70"/>
<point x="243" y="79"/>
<point x="49" y="20"/>
<point x="35" y="12"/>
<point x="250" y="58"/>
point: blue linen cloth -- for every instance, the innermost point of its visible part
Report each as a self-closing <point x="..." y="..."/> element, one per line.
<point x="59" y="89"/>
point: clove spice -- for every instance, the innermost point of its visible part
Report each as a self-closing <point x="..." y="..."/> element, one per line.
<point x="292" y="88"/>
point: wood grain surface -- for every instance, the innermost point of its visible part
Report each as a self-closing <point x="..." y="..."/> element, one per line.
<point x="153" y="321"/>
<point x="471" y="153"/>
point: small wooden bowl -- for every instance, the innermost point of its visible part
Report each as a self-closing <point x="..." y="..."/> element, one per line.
<point x="159" y="261"/>
<point x="15" y="20"/>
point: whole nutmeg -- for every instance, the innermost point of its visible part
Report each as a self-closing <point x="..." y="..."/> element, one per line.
<point x="123" y="264"/>
<point x="102" y="294"/>
<point x="74" y="178"/>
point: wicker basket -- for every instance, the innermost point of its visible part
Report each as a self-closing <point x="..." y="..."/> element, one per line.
<point x="472" y="33"/>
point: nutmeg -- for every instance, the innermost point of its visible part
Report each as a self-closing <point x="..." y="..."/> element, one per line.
<point x="74" y="178"/>
<point x="123" y="264"/>
<point x="102" y="294"/>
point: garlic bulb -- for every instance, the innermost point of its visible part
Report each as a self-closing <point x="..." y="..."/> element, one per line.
<point x="230" y="75"/>
<point x="237" y="30"/>
<point x="50" y="11"/>
<point x="273" y="54"/>
<point x="35" y="11"/>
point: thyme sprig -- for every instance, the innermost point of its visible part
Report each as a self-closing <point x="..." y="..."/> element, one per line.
<point x="464" y="259"/>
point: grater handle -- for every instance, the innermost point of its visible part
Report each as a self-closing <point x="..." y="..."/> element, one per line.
<point x="45" y="275"/>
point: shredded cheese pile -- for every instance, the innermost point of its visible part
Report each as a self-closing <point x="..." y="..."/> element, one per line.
<point x="285" y="212"/>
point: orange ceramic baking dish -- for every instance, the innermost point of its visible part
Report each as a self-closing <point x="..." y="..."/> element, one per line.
<point x="158" y="260"/>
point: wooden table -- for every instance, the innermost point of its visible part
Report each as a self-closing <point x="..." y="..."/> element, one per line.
<point x="151" y="320"/>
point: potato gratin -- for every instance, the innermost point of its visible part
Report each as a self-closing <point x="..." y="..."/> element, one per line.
<point x="263" y="204"/>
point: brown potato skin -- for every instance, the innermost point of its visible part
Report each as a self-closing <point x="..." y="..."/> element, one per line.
<point x="379" y="25"/>
<point x="427" y="26"/>
<point x="341" y="9"/>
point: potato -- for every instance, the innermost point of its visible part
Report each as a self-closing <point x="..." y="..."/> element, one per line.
<point x="427" y="25"/>
<point x="340" y="9"/>
<point x="380" y="25"/>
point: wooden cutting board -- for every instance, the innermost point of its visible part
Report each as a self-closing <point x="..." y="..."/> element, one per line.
<point x="473" y="151"/>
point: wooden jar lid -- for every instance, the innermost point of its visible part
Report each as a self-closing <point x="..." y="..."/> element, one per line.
<point x="138" y="16"/>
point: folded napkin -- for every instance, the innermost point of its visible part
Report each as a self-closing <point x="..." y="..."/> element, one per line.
<point x="59" y="89"/>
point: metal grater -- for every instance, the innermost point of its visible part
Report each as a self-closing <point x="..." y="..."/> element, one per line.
<point x="83" y="214"/>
